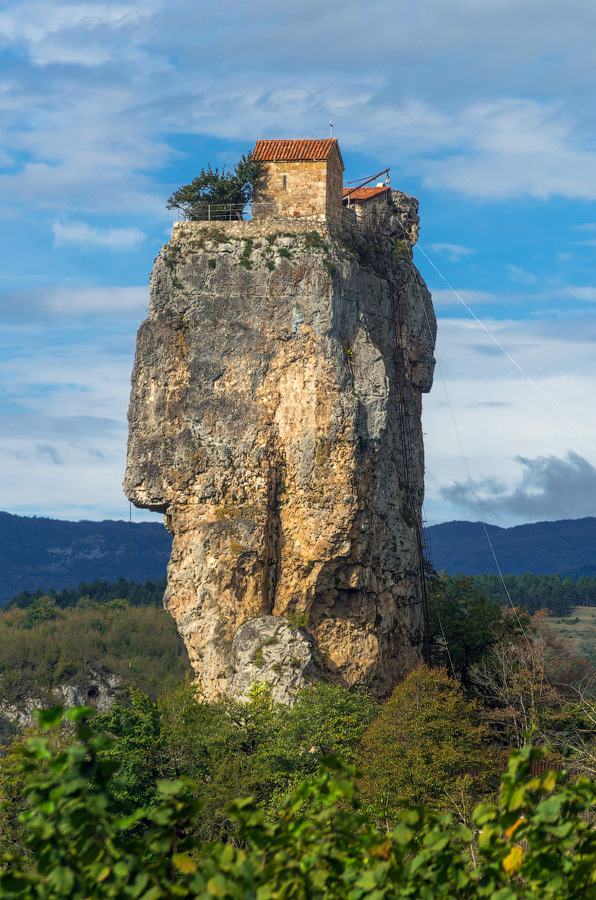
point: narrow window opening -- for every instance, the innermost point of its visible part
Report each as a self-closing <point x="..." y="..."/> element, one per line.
<point x="284" y="185"/>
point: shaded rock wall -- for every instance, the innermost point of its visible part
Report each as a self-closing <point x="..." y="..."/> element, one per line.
<point x="264" y="424"/>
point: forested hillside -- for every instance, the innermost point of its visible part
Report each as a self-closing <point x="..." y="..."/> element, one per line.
<point x="534" y="592"/>
<point x="44" y="645"/>
<point x="49" y="553"/>
<point x="175" y="764"/>
<point x="566" y="547"/>
<point x="148" y="594"/>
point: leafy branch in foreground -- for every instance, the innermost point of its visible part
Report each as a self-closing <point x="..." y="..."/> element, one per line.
<point x="539" y="842"/>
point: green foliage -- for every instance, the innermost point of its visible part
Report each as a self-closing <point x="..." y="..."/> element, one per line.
<point x="464" y="622"/>
<point x="534" y="592"/>
<point x="315" y="241"/>
<point x="133" y="725"/>
<point x="215" y="187"/>
<point x="136" y="594"/>
<point x="401" y="249"/>
<point x="256" y="748"/>
<point x="325" y="720"/>
<point x="43" y="609"/>
<point x="539" y="844"/>
<point x="42" y="647"/>
<point x="245" y="259"/>
<point x="298" y="619"/>
<point x="426" y="747"/>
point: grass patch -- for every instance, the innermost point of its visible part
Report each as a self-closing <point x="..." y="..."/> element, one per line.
<point x="315" y="241"/>
<point x="245" y="259"/>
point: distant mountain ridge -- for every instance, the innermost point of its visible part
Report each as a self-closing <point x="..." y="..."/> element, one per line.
<point x="45" y="553"/>
<point x="565" y="547"/>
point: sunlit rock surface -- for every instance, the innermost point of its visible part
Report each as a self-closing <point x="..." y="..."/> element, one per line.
<point x="264" y="423"/>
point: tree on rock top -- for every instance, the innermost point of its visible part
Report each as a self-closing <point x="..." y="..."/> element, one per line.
<point x="212" y="188"/>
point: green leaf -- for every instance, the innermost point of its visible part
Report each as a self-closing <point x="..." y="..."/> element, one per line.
<point x="49" y="718"/>
<point x="76" y="713"/>
<point x="184" y="863"/>
<point x="485" y="812"/>
<point x="63" y="878"/>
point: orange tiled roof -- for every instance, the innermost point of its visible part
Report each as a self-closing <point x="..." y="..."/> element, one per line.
<point x="294" y="151"/>
<point x="365" y="193"/>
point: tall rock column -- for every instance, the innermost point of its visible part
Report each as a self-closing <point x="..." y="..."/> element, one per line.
<point x="276" y="383"/>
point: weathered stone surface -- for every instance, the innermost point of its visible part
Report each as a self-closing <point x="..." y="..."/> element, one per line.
<point x="265" y="424"/>
<point x="98" y="691"/>
<point x="268" y="649"/>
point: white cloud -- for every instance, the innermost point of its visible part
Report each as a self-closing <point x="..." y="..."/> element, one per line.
<point x="492" y="414"/>
<point x="69" y="32"/>
<point x="446" y="297"/>
<point x="577" y="292"/>
<point x="453" y="252"/>
<point x="550" y="487"/>
<point x="516" y="273"/>
<point x="75" y="307"/>
<point x="115" y="78"/>
<point x="63" y="420"/>
<point x="81" y="233"/>
<point x="511" y="147"/>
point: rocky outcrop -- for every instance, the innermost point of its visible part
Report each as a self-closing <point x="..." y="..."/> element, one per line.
<point x="98" y="692"/>
<point x="275" y="421"/>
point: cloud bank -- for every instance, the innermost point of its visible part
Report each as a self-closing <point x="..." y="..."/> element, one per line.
<point x="550" y="487"/>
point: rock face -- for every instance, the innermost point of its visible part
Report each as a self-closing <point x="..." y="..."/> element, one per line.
<point x="275" y="421"/>
<point x="99" y="692"/>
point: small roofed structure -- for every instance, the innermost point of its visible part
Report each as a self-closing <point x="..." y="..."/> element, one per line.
<point x="367" y="202"/>
<point x="301" y="178"/>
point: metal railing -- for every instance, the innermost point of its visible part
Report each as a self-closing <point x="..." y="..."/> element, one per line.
<point x="216" y="212"/>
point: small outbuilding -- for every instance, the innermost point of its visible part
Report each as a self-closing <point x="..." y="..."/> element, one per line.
<point x="368" y="203"/>
<point x="301" y="178"/>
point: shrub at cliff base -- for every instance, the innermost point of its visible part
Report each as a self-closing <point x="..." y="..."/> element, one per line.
<point x="537" y="844"/>
<point x="257" y="748"/>
<point x="427" y="747"/>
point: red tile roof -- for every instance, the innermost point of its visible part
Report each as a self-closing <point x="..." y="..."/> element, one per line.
<point x="365" y="193"/>
<point x="295" y="151"/>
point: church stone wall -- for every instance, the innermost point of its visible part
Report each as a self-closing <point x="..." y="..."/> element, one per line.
<point x="298" y="189"/>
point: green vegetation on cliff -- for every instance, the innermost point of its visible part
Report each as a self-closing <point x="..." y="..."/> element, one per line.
<point x="44" y="646"/>
<point x="214" y="188"/>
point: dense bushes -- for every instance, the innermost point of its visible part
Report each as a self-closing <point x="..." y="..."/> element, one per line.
<point x="43" y="646"/>
<point x="428" y="747"/>
<point x="150" y="593"/>
<point x="537" y="844"/>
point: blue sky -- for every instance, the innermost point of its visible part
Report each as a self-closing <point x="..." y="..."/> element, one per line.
<point x="483" y="111"/>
